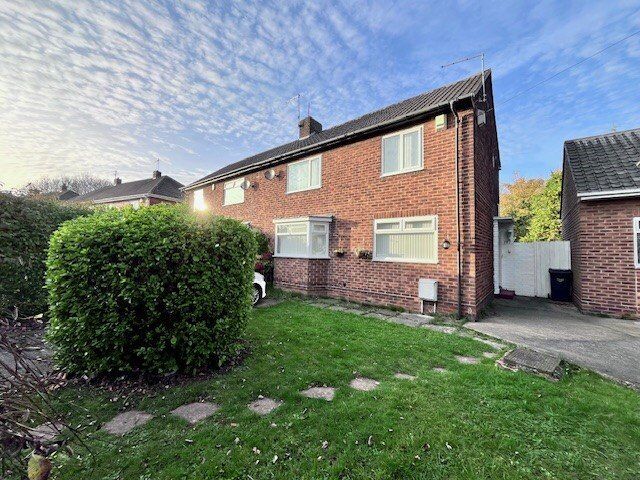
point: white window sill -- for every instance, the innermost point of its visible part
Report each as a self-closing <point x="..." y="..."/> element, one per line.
<point x="288" y="192"/>
<point x="302" y="256"/>
<point x="405" y="260"/>
<point x="231" y="204"/>
<point x="400" y="172"/>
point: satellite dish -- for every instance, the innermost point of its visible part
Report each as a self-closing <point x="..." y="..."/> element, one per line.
<point x="271" y="174"/>
<point x="246" y="185"/>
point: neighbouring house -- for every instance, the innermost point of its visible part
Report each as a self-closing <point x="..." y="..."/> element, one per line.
<point x="601" y="217"/>
<point x="366" y="209"/>
<point x="63" y="195"/>
<point x="150" y="191"/>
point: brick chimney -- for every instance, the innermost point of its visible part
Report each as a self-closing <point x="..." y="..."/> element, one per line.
<point x="156" y="174"/>
<point x="309" y="126"/>
<point x="63" y="188"/>
<point x="117" y="181"/>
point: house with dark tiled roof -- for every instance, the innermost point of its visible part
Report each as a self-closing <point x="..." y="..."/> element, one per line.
<point x="392" y="208"/>
<point x="600" y="214"/>
<point x="150" y="191"/>
<point x="63" y="195"/>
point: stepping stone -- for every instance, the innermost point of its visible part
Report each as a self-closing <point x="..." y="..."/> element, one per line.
<point x="467" y="360"/>
<point x="440" y="328"/>
<point x="46" y="432"/>
<point x="194" y="412"/>
<point x="404" y="376"/>
<point x="491" y="343"/>
<point x="264" y="406"/>
<point x="440" y="370"/>
<point x="324" y="393"/>
<point x="533" y="362"/>
<point x="384" y="312"/>
<point x="379" y="316"/>
<point x="416" y="318"/>
<point x="489" y="354"/>
<point x="124" y="422"/>
<point x="364" y="384"/>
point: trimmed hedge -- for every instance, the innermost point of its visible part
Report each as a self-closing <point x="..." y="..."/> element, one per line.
<point x="155" y="290"/>
<point x="25" y="228"/>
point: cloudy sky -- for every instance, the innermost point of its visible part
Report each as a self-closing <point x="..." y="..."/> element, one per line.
<point x="115" y="85"/>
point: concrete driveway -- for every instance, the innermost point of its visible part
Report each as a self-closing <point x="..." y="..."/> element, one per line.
<point x="608" y="346"/>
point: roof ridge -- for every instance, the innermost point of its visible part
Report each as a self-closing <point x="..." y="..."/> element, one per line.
<point x="603" y="135"/>
<point x="155" y="185"/>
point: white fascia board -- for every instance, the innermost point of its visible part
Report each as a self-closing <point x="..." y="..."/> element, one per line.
<point x="604" y="194"/>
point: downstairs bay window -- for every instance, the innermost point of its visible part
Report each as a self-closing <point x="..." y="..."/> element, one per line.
<point x="303" y="237"/>
<point x="410" y="239"/>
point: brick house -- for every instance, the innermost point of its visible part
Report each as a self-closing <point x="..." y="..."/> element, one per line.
<point x="365" y="209"/>
<point x="601" y="217"/>
<point x="149" y="191"/>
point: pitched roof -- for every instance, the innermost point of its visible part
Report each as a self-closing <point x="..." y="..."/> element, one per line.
<point x="162" y="186"/>
<point x="412" y="107"/>
<point x="605" y="163"/>
<point x="67" y="195"/>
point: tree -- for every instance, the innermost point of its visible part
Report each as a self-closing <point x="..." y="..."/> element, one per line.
<point x="81" y="183"/>
<point x="515" y="202"/>
<point x="545" y="222"/>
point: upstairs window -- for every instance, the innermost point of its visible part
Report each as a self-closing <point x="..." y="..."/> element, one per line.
<point x="198" y="200"/>
<point x="233" y="193"/>
<point x="304" y="175"/>
<point x="402" y="152"/>
<point x="306" y="237"/>
<point x="411" y="239"/>
<point x="636" y="241"/>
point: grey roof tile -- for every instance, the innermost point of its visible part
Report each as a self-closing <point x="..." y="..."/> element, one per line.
<point x="422" y="103"/>
<point x="605" y="162"/>
<point x="165" y="186"/>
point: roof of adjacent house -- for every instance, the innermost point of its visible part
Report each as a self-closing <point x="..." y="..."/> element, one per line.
<point x="159" y="187"/>
<point x="387" y="116"/>
<point x="66" y="195"/>
<point x="605" y="163"/>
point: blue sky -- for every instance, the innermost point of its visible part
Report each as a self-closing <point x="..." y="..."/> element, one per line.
<point x="114" y="85"/>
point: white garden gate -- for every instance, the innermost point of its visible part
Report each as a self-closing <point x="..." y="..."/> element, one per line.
<point x="524" y="267"/>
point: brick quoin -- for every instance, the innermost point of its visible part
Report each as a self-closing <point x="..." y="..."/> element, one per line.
<point x="601" y="234"/>
<point x="354" y="192"/>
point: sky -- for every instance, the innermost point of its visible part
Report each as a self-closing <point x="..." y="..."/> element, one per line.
<point x="115" y="85"/>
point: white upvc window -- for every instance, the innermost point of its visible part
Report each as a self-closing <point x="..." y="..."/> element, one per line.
<point x="410" y="239"/>
<point x="198" y="200"/>
<point x="402" y="152"/>
<point x="303" y="237"/>
<point x="304" y="175"/>
<point x="233" y="192"/>
<point x="636" y="241"/>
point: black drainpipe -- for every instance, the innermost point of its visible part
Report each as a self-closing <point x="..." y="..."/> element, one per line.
<point x="458" y="247"/>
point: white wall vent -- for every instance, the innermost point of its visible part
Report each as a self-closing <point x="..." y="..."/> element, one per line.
<point x="441" y="122"/>
<point x="428" y="289"/>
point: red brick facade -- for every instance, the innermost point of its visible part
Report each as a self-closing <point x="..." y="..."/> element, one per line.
<point x="354" y="192"/>
<point x="605" y="279"/>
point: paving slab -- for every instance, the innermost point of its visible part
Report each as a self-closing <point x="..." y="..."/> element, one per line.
<point x="264" y="406"/>
<point x="467" y="360"/>
<point x="440" y="328"/>
<point x="46" y="432"/>
<point x="531" y="361"/>
<point x="609" y="346"/>
<point x="268" y="302"/>
<point x="194" y="412"/>
<point x="491" y="343"/>
<point x="324" y="393"/>
<point x="124" y="422"/>
<point x="489" y="354"/>
<point x="364" y="384"/>
<point x="404" y="376"/>
<point x="379" y="316"/>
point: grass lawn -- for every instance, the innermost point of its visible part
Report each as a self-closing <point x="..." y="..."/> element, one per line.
<point x="478" y="420"/>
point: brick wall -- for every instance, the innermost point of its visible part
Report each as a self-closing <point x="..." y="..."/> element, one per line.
<point x="355" y="194"/>
<point x="570" y="217"/>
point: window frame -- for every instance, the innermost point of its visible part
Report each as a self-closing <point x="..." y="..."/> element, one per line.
<point x="636" y="232"/>
<point x="309" y="187"/>
<point x="401" y="230"/>
<point x="401" y="134"/>
<point x="309" y="222"/>
<point x="237" y="181"/>
<point x="196" y="207"/>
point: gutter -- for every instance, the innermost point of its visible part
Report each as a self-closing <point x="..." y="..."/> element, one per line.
<point x="326" y="143"/>
<point x="604" y="194"/>
<point x="134" y="197"/>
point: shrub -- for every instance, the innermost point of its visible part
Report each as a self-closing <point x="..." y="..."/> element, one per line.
<point x="25" y="228"/>
<point x="155" y="289"/>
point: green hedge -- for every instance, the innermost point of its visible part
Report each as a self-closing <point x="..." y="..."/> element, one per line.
<point x="25" y="228"/>
<point x="156" y="290"/>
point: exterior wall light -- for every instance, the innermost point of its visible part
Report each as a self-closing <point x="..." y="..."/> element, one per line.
<point x="446" y="244"/>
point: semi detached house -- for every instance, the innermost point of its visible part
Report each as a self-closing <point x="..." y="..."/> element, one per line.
<point x="366" y="209"/>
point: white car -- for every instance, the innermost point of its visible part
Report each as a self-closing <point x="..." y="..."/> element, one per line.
<point x="259" y="288"/>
